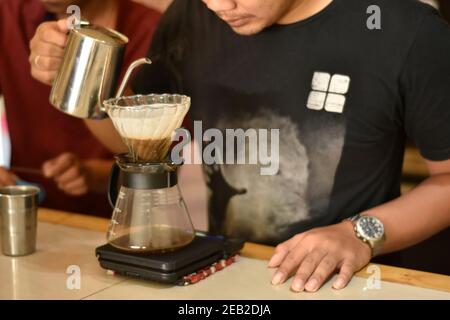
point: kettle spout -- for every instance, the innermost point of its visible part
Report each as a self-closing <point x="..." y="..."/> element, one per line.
<point x="130" y="70"/>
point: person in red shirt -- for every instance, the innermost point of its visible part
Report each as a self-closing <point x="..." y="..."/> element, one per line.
<point x="71" y="164"/>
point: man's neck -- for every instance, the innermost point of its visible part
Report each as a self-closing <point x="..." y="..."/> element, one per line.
<point x="303" y="9"/>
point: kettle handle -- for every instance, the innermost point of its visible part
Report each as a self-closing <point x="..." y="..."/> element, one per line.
<point x="128" y="74"/>
<point x="112" y="185"/>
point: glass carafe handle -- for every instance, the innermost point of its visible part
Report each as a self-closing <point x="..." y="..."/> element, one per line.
<point x="112" y="184"/>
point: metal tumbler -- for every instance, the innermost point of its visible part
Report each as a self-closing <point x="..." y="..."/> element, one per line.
<point x="18" y="211"/>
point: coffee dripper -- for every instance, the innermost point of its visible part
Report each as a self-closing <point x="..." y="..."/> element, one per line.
<point x="149" y="214"/>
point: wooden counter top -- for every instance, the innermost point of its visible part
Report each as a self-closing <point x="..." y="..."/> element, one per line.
<point x="251" y="250"/>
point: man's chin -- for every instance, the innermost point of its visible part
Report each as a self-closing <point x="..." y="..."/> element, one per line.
<point x="247" y="30"/>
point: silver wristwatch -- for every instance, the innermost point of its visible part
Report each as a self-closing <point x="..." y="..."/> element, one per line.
<point x="370" y="230"/>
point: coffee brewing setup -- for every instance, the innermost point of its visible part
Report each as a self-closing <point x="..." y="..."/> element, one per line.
<point x="151" y="235"/>
<point x="149" y="213"/>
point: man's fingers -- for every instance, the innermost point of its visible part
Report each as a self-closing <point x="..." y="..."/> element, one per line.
<point x="51" y="33"/>
<point x="289" y="265"/>
<point x="63" y="25"/>
<point x="316" y="256"/>
<point x="282" y="251"/>
<point x="45" y="63"/>
<point x="75" y="187"/>
<point x="68" y="176"/>
<point x="325" y="268"/>
<point x="76" y="192"/>
<point x="46" y="77"/>
<point x="345" y="275"/>
<point x="47" y="50"/>
<point x="306" y="268"/>
<point x="66" y="172"/>
<point x="57" y="166"/>
<point x="6" y="178"/>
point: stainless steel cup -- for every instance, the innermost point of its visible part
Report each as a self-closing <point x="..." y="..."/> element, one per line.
<point x="89" y="71"/>
<point x="18" y="211"/>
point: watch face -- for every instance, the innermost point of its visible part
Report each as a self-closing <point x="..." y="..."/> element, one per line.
<point x="370" y="228"/>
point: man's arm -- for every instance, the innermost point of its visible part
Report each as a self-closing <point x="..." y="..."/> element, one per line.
<point x="314" y="255"/>
<point x="105" y="132"/>
<point x="108" y="136"/>
<point x="419" y="214"/>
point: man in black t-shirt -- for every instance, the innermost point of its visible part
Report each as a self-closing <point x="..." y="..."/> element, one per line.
<point x="345" y="82"/>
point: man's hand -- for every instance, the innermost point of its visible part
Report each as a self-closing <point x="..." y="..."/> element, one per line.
<point x="315" y="255"/>
<point x="47" y="50"/>
<point x="69" y="173"/>
<point x="7" y="178"/>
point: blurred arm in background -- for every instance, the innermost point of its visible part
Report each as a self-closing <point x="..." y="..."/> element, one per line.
<point x="159" y="5"/>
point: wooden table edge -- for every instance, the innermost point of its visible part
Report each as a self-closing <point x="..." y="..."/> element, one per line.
<point x="252" y="250"/>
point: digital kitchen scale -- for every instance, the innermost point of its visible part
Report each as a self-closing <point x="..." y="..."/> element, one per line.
<point x="169" y="267"/>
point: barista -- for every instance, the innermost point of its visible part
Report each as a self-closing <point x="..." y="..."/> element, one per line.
<point x="344" y="95"/>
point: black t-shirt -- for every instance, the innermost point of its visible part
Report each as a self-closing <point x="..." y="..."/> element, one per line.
<point x="344" y="97"/>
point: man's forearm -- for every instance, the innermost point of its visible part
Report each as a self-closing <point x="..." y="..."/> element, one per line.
<point x="105" y="132"/>
<point x="417" y="215"/>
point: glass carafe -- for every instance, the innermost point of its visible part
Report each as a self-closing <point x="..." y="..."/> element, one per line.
<point x="150" y="214"/>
